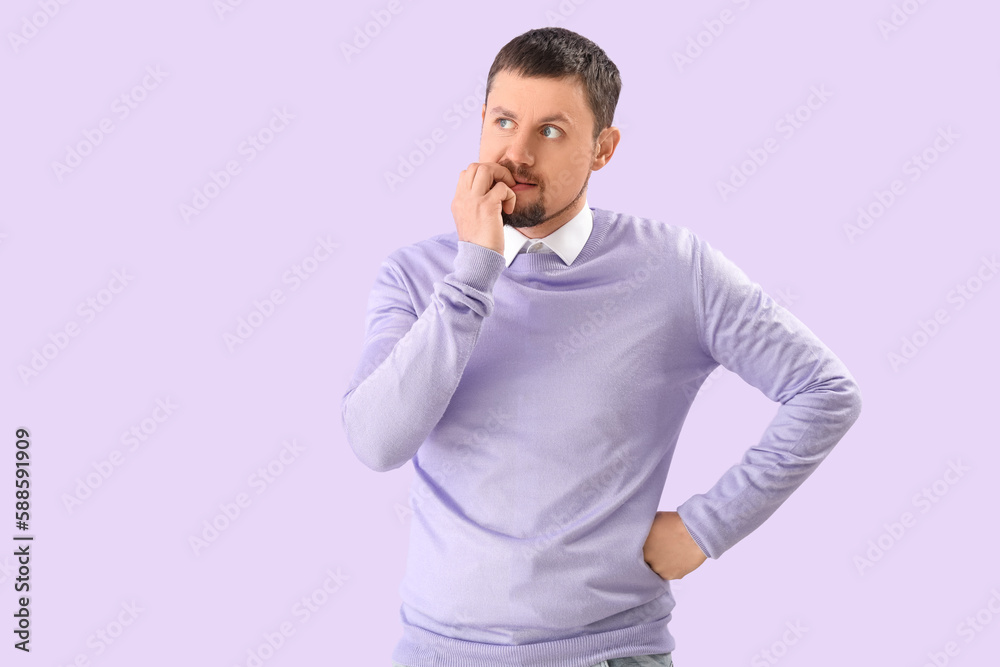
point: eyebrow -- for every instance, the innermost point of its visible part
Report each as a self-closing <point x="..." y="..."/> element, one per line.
<point x="561" y="117"/>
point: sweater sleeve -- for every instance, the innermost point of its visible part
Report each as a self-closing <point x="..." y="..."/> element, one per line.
<point x="410" y="366"/>
<point x="743" y="329"/>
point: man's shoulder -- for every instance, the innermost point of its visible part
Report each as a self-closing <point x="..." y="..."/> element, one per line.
<point x="650" y="233"/>
<point x="435" y="253"/>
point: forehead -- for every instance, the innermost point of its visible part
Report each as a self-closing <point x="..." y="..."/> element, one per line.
<point x="538" y="95"/>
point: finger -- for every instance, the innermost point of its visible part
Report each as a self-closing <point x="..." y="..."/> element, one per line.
<point x="502" y="173"/>
<point x="497" y="173"/>
<point x="509" y="199"/>
<point x="505" y="196"/>
<point x="465" y="178"/>
<point x="482" y="181"/>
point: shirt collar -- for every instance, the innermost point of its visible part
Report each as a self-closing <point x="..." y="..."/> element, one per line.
<point x="567" y="241"/>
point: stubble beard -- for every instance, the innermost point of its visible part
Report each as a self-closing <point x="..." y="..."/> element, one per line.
<point x="534" y="214"/>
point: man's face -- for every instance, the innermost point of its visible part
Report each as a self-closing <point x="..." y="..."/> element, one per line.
<point x="541" y="129"/>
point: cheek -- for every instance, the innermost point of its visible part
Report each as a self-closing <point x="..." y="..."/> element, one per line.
<point x="489" y="149"/>
<point x="567" y="181"/>
<point x="582" y="158"/>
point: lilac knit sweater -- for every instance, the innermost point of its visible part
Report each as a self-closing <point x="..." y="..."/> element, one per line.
<point x="540" y="405"/>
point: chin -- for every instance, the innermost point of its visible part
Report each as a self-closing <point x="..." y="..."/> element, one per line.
<point x="519" y="222"/>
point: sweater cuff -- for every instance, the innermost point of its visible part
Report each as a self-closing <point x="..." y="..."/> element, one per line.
<point x="691" y="514"/>
<point x="477" y="266"/>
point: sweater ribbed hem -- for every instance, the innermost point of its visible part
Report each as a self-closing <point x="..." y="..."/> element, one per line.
<point x="421" y="648"/>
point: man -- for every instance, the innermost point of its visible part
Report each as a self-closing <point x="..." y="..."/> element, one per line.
<point x="537" y="364"/>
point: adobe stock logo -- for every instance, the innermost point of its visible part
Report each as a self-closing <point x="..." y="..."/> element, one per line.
<point x="60" y="339"/>
<point x="103" y="469"/>
<point x="251" y="146"/>
<point x="30" y="28"/>
<point x="900" y="16"/>
<point x="461" y="456"/>
<point x="454" y="116"/>
<point x="714" y="28"/>
<point x="779" y="649"/>
<point x="562" y="12"/>
<point x="788" y="125"/>
<point x="122" y="106"/>
<point x="381" y="18"/>
<point x="224" y="7"/>
<point x="962" y="293"/>
<point x="968" y="629"/>
<point x="923" y="500"/>
<point x="583" y="333"/>
<point x="231" y="510"/>
<point x="914" y="167"/>
<point x="264" y="309"/>
<point x="303" y="610"/>
<point x="102" y="639"/>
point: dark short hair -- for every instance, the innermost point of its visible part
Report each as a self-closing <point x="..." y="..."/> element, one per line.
<point x="557" y="52"/>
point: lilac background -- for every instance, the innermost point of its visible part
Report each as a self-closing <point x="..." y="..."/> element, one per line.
<point x="323" y="176"/>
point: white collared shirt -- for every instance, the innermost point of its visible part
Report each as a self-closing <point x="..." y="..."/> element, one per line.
<point x="567" y="241"/>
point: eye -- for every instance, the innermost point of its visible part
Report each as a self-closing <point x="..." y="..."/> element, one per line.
<point x="556" y="129"/>
<point x="504" y="120"/>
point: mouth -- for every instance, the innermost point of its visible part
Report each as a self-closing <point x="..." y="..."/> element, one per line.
<point x="522" y="185"/>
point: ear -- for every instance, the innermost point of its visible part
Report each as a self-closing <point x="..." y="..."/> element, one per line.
<point x="607" y="141"/>
<point x="484" y="112"/>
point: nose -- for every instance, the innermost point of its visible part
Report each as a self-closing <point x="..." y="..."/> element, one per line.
<point x="520" y="150"/>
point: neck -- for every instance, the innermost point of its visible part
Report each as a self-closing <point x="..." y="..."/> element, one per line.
<point x="555" y="222"/>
